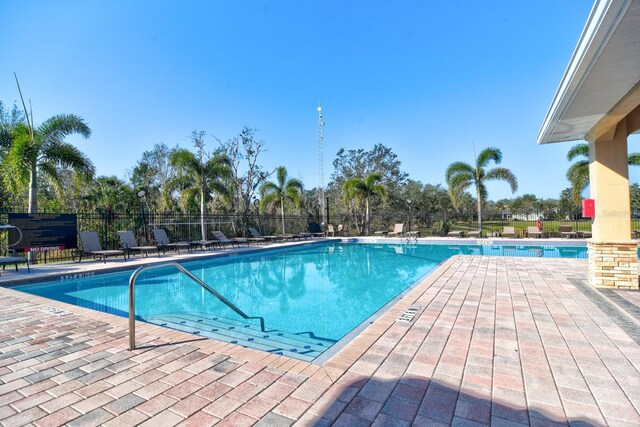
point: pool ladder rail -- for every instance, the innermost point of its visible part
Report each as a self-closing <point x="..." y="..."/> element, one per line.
<point x="132" y="304"/>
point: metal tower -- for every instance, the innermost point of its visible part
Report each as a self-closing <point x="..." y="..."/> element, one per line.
<point x="321" y="166"/>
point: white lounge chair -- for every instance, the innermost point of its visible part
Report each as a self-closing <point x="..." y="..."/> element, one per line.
<point x="508" y="232"/>
<point x="398" y="230"/>
<point x="532" y="231"/>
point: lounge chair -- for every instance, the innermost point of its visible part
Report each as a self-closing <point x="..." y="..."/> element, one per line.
<point x="15" y="260"/>
<point x="343" y="230"/>
<point x="583" y="234"/>
<point x="130" y="244"/>
<point x="223" y="240"/>
<point x="330" y="230"/>
<point x="398" y="230"/>
<point x="160" y="235"/>
<point x="91" y="246"/>
<point x="255" y="234"/>
<point x="508" y="232"/>
<point x="566" y="231"/>
<point x="412" y="234"/>
<point x="202" y="244"/>
<point x="455" y="233"/>
<point x="532" y="231"/>
<point x="475" y="233"/>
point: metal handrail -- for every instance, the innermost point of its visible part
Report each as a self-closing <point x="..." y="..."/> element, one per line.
<point x="132" y="282"/>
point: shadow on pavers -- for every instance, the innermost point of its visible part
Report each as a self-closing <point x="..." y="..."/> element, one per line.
<point x="422" y="402"/>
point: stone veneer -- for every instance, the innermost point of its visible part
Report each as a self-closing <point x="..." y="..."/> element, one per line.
<point x="613" y="264"/>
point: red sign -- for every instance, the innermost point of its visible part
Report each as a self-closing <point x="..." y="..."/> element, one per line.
<point x="589" y="208"/>
<point x="44" y="248"/>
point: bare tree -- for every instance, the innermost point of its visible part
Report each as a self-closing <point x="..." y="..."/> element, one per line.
<point x="246" y="174"/>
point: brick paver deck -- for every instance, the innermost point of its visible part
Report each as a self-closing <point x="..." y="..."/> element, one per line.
<point x="502" y="341"/>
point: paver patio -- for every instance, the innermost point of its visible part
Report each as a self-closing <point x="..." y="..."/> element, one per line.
<point x="497" y="340"/>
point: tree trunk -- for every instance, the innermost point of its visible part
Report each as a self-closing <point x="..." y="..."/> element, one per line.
<point x="367" y="218"/>
<point x="33" y="190"/>
<point x="282" y="210"/>
<point x="203" y="227"/>
<point x="479" y="212"/>
<point x="33" y="201"/>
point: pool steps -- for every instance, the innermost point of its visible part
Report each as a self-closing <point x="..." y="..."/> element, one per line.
<point x="245" y="333"/>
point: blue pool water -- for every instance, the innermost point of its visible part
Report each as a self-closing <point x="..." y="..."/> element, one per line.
<point x="323" y="290"/>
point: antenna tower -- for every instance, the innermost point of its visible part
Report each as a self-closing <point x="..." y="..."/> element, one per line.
<point x="321" y="166"/>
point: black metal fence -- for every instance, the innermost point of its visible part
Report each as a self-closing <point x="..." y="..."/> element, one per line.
<point x="187" y="226"/>
<point x="179" y="227"/>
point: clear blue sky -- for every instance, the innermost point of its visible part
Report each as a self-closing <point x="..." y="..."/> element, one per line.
<point x="425" y="78"/>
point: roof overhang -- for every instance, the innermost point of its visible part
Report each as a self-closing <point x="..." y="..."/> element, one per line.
<point x="601" y="84"/>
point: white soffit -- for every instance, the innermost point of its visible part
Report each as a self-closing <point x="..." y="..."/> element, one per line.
<point x="604" y="67"/>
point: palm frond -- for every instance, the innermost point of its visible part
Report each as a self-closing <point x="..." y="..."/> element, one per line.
<point x="269" y="188"/>
<point x="482" y="191"/>
<point x="489" y="153"/>
<point x="579" y="171"/>
<point x="294" y="183"/>
<point x="578" y="150"/>
<point x="502" y="174"/>
<point x="379" y="189"/>
<point x="634" y="159"/>
<point x="268" y="200"/>
<point x="293" y="194"/>
<point x="185" y="161"/>
<point x="458" y="168"/>
<point x="372" y="179"/>
<point x="52" y="173"/>
<point x="67" y="155"/>
<point x="462" y="181"/>
<point x="281" y="176"/>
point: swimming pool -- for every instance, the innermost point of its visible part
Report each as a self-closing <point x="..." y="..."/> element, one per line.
<point x="310" y="297"/>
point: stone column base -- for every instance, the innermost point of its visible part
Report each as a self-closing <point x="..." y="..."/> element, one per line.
<point x="613" y="264"/>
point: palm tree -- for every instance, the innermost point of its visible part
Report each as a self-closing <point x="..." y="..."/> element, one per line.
<point x="461" y="176"/>
<point x="43" y="150"/>
<point x="283" y="189"/>
<point x="204" y="175"/>
<point x="110" y="195"/>
<point x="364" y="189"/>
<point x="578" y="173"/>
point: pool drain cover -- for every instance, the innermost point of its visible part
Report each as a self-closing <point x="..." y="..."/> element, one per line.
<point x="410" y="313"/>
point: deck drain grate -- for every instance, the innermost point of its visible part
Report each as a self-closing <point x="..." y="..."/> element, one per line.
<point x="54" y="311"/>
<point x="410" y="313"/>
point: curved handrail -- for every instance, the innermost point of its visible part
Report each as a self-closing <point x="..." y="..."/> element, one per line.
<point x="132" y="282"/>
<point x="7" y="227"/>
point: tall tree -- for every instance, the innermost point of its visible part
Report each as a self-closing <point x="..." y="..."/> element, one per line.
<point x="460" y="176"/>
<point x="578" y="172"/>
<point x="278" y="192"/>
<point x="43" y="150"/>
<point x="109" y="195"/>
<point x="364" y="190"/>
<point x="361" y="163"/>
<point x="152" y="172"/>
<point x="8" y="120"/>
<point x="203" y="172"/>
<point x="247" y="175"/>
